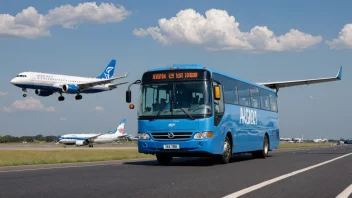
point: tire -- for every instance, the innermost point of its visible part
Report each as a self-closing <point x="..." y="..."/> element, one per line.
<point x="163" y="159"/>
<point x="264" y="152"/>
<point x="225" y="157"/>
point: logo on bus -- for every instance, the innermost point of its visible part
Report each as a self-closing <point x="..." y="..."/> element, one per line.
<point x="248" y="116"/>
<point x="170" y="135"/>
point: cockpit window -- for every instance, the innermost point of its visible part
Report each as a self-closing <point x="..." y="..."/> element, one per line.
<point x="21" y="76"/>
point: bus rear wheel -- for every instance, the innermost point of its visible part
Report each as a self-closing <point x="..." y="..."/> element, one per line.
<point x="264" y="152"/>
<point x="163" y="159"/>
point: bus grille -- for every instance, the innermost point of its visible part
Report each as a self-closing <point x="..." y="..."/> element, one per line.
<point x="171" y="135"/>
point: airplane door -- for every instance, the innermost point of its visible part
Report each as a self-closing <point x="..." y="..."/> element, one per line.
<point x="32" y="80"/>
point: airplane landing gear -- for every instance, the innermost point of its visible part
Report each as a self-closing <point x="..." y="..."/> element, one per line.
<point x="25" y="92"/>
<point x="61" y="98"/>
<point x="78" y="97"/>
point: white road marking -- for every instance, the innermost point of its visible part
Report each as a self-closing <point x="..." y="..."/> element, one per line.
<point x="77" y="165"/>
<point x="346" y="192"/>
<point x="265" y="183"/>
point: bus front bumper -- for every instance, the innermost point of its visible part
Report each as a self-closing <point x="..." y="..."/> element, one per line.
<point x="196" y="148"/>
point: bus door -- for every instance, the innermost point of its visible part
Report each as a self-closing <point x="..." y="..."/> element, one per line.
<point x="223" y="122"/>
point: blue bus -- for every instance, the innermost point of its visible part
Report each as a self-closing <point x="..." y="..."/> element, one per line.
<point x="189" y="110"/>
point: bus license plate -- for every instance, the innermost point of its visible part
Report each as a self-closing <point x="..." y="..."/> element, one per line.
<point x="171" y="146"/>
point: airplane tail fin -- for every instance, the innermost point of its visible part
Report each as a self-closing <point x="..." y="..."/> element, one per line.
<point x="120" y="129"/>
<point x="109" y="70"/>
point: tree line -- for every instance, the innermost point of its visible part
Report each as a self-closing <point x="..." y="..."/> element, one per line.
<point x="37" y="138"/>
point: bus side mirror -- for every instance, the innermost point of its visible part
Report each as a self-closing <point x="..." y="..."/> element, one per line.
<point x="128" y="96"/>
<point x="217" y="94"/>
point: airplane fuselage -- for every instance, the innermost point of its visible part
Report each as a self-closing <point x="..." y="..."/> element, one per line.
<point x="83" y="139"/>
<point x="46" y="84"/>
<point x="88" y="139"/>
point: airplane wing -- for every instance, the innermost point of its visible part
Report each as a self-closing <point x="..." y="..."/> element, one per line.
<point x="123" y="136"/>
<point x="277" y="85"/>
<point x="115" y="85"/>
<point x="94" y="137"/>
<point x="93" y="83"/>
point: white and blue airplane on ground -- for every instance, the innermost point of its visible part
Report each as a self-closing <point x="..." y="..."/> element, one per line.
<point x="91" y="138"/>
<point x="47" y="84"/>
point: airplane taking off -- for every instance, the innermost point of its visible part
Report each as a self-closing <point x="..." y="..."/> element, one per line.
<point x="47" y="84"/>
<point x="90" y="139"/>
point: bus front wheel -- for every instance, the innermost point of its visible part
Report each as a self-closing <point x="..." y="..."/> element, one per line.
<point x="225" y="157"/>
<point x="163" y="159"/>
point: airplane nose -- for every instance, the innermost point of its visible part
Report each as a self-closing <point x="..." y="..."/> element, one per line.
<point x="13" y="81"/>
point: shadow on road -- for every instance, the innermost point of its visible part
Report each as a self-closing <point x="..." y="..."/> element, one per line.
<point x="193" y="161"/>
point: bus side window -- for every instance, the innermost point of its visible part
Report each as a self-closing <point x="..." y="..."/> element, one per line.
<point x="243" y="93"/>
<point x="255" y="101"/>
<point x="264" y="98"/>
<point x="273" y="102"/>
<point x="230" y="91"/>
<point x="218" y="106"/>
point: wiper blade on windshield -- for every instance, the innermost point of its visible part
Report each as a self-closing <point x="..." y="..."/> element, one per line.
<point x="187" y="114"/>
<point x="159" y="112"/>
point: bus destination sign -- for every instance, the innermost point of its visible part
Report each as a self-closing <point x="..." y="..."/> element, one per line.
<point x="175" y="75"/>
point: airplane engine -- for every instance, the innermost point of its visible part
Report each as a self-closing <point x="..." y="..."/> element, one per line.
<point x="70" y="88"/>
<point x="43" y="93"/>
<point x="81" y="142"/>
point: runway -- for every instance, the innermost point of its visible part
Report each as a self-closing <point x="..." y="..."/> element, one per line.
<point x="324" y="172"/>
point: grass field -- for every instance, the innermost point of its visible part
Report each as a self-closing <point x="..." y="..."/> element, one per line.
<point x="32" y="157"/>
<point x="302" y="145"/>
<point x="52" y="143"/>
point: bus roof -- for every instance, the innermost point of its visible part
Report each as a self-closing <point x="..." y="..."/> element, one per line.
<point x="211" y="70"/>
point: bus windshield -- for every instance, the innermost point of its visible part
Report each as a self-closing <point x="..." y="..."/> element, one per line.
<point x="176" y="99"/>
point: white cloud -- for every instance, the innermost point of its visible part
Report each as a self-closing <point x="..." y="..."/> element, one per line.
<point x="99" y="108"/>
<point x="344" y="40"/>
<point x="30" y="24"/>
<point x="219" y="31"/>
<point x="29" y="104"/>
<point x="7" y="109"/>
<point x="3" y="93"/>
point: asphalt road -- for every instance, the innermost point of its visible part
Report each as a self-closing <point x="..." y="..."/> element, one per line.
<point x="189" y="177"/>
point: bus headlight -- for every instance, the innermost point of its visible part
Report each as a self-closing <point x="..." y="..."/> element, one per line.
<point x="203" y="135"/>
<point x="143" y="136"/>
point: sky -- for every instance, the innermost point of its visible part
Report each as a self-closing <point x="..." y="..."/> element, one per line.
<point x="255" y="40"/>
